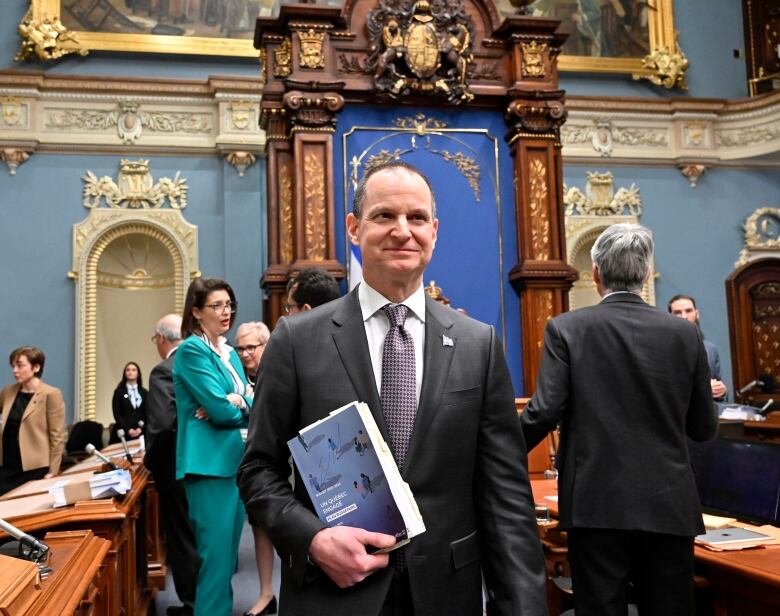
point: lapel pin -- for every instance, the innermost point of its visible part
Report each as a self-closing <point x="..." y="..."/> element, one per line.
<point x="447" y="341"/>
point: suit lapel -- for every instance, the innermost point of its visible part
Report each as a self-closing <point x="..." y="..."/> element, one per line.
<point x="352" y="346"/>
<point x="436" y="363"/>
<point x="34" y="402"/>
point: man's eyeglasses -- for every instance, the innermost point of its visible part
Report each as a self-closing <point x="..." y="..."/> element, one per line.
<point x="154" y="337"/>
<point x="249" y="348"/>
<point x="223" y="307"/>
<point x="288" y="308"/>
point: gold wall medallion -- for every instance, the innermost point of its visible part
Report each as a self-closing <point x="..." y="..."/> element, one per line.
<point x="310" y="55"/>
<point x="533" y="58"/>
<point x="762" y="235"/>
<point x="283" y="58"/>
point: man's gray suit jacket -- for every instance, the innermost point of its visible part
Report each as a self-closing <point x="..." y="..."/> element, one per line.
<point x="466" y="465"/>
<point x="627" y="382"/>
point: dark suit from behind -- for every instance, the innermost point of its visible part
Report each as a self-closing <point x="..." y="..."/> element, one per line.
<point x="466" y="465"/>
<point x="627" y="382"/>
<point x="160" y="459"/>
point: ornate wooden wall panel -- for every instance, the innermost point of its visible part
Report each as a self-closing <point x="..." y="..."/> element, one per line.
<point x="753" y="297"/>
<point x="316" y="59"/>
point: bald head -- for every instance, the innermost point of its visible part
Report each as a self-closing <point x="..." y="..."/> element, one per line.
<point x="167" y="334"/>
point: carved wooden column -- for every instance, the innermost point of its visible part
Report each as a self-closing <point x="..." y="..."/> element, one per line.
<point x="300" y="102"/>
<point x="535" y="112"/>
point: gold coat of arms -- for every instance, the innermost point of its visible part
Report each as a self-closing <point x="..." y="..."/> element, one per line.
<point x="425" y="49"/>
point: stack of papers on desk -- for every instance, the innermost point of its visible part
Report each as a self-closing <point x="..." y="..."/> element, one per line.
<point x="101" y="485"/>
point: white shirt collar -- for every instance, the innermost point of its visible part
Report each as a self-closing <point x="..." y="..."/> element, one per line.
<point x="372" y="300"/>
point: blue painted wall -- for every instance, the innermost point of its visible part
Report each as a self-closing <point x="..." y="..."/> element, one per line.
<point x="698" y="231"/>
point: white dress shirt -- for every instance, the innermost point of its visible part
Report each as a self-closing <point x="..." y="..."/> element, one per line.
<point x="377" y="325"/>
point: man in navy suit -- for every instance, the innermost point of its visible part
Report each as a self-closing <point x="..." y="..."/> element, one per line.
<point x="465" y="459"/>
<point x="684" y="306"/>
<point x="628" y="384"/>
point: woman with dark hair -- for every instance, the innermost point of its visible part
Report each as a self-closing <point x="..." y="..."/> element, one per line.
<point x="32" y="430"/>
<point x="129" y="403"/>
<point x="212" y="405"/>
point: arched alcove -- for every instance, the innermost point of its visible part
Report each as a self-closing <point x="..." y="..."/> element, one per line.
<point x="171" y="235"/>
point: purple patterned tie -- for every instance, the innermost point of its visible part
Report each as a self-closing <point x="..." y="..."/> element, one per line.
<point x="399" y="390"/>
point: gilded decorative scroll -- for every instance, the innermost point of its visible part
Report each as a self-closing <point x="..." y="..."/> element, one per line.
<point x="667" y="66"/>
<point x="43" y="38"/>
<point x="314" y="195"/>
<point x="540" y="219"/>
<point x="285" y="213"/>
<point x="283" y="58"/>
<point x="600" y="198"/>
<point x="134" y="189"/>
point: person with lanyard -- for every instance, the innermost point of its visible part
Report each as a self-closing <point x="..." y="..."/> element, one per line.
<point x="128" y="403"/>
<point x="32" y="426"/>
<point x="212" y="405"/>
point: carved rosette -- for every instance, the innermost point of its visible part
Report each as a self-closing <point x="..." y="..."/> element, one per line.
<point x="544" y="115"/>
<point x="422" y="48"/>
<point x="314" y="194"/>
<point x="313" y="110"/>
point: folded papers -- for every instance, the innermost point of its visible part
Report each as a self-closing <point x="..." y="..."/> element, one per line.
<point x="100" y="485"/>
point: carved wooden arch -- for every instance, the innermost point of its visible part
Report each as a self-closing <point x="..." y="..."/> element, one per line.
<point x="753" y="300"/>
<point x="166" y="226"/>
<point x="317" y="59"/>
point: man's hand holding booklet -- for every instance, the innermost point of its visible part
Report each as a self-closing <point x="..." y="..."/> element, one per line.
<point x="351" y="476"/>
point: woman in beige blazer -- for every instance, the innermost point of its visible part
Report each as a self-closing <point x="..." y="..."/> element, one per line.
<point x="32" y="432"/>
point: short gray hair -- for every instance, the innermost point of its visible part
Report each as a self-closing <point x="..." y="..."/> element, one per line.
<point x="169" y="327"/>
<point x="623" y="255"/>
<point x="254" y="327"/>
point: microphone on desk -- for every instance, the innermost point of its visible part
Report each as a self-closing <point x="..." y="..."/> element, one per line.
<point x="766" y="406"/>
<point x="29" y="547"/>
<point x="121" y="434"/>
<point x="750" y="386"/>
<point x="90" y="449"/>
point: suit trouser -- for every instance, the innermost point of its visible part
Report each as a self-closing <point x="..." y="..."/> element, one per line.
<point x="603" y="562"/>
<point x="179" y="536"/>
<point x="217" y="516"/>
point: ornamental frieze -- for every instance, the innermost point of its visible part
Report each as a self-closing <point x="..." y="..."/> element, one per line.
<point x="420" y="48"/>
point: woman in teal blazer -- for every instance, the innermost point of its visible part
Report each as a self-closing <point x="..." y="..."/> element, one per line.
<point x="212" y="404"/>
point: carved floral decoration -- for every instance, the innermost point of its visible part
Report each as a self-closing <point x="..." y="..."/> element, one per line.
<point x="134" y="189"/>
<point x="600" y="198"/>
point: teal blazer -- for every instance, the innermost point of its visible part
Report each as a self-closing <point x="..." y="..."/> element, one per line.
<point x="210" y="447"/>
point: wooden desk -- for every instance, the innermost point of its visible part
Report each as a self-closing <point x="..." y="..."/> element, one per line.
<point x="120" y="521"/>
<point x="77" y="585"/>
<point x="740" y="583"/>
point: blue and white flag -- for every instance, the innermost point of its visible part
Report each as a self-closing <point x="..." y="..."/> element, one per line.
<point x="355" y="267"/>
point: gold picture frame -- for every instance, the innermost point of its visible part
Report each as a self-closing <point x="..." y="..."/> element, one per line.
<point x="48" y="32"/>
<point x="51" y="29"/>
<point x="660" y="34"/>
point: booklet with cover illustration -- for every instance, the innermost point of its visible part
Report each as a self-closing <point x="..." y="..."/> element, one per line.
<point x="351" y="476"/>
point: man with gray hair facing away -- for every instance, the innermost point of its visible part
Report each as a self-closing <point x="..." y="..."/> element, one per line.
<point x="160" y="459"/>
<point x="627" y="382"/>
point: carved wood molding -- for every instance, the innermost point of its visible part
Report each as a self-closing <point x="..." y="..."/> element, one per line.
<point x="45" y="112"/>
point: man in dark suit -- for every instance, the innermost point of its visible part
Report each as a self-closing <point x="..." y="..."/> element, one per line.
<point x="627" y="382"/>
<point x="439" y="389"/>
<point x="312" y="287"/>
<point x="160" y="459"/>
<point x="684" y="306"/>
